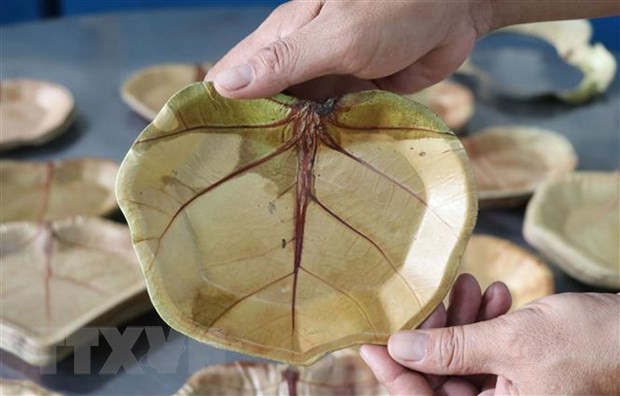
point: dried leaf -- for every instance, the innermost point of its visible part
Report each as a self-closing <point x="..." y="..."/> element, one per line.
<point x="33" y="112"/>
<point x="492" y="259"/>
<point x="572" y="42"/>
<point x="288" y="229"/>
<point x="341" y="373"/>
<point x="573" y="220"/>
<point x="452" y="102"/>
<point x="54" y="190"/>
<point x="147" y="91"/>
<point x="59" y="276"/>
<point x="511" y="161"/>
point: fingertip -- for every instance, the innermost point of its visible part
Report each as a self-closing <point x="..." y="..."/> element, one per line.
<point x="467" y="280"/>
<point x="499" y="288"/>
<point x="496" y="301"/>
<point x="397" y="379"/>
<point x="380" y="362"/>
<point x="501" y="295"/>
<point x="465" y="301"/>
<point x="369" y="353"/>
<point x="234" y="78"/>
<point x="436" y="319"/>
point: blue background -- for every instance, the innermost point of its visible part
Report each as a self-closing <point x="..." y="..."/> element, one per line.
<point x="12" y="11"/>
<point x="606" y="30"/>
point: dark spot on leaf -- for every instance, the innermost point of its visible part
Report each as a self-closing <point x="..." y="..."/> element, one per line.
<point x="283" y="243"/>
<point x="422" y="153"/>
<point x="271" y="207"/>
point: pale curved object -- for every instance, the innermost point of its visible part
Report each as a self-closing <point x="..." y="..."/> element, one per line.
<point x="573" y="220"/>
<point x="60" y="276"/>
<point x="491" y="259"/>
<point x="289" y="229"/>
<point x="147" y="90"/>
<point x="452" y="102"/>
<point x="572" y="42"/>
<point x="511" y="161"/>
<point x="37" y="191"/>
<point x="33" y="112"/>
<point x="341" y="373"/>
<point x="23" y="388"/>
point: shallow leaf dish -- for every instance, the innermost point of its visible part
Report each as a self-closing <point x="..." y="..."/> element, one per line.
<point x="54" y="190"/>
<point x="33" y="112"/>
<point x="23" y="388"/>
<point x="341" y="373"/>
<point x="60" y="276"/>
<point x="573" y="220"/>
<point x="289" y="229"/>
<point x="452" y="102"/>
<point x="572" y="42"/>
<point x="492" y="259"/>
<point x="511" y="161"/>
<point x="147" y="91"/>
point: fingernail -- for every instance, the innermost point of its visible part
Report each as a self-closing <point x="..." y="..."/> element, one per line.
<point x="235" y="78"/>
<point x="408" y="345"/>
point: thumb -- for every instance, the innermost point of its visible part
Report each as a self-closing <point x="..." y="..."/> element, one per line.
<point x="459" y="350"/>
<point x="305" y="54"/>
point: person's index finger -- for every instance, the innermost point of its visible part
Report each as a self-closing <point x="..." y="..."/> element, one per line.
<point x="397" y="379"/>
<point x="315" y="50"/>
<point x="283" y="21"/>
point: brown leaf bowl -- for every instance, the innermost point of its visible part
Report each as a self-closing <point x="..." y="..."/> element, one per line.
<point x="60" y="276"/>
<point x="33" y="112"/>
<point x="452" y="102"/>
<point x="289" y="229"/>
<point x="147" y="90"/>
<point x="511" y="161"/>
<point x="491" y="259"/>
<point x="37" y="191"/>
<point x="573" y="220"/>
<point x="340" y="373"/>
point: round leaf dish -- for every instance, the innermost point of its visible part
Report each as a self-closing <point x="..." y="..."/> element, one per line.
<point x="147" y="91"/>
<point x="452" y="102"/>
<point x="340" y="373"/>
<point x="511" y="161"/>
<point x="573" y="220"/>
<point x="491" y="259"/>
<point x="39" y="191"/>
<point x="60" y="276"/>
<point x="23" y="388"/>
<point x="288" y="229"/>
<point x="33" y="112"/>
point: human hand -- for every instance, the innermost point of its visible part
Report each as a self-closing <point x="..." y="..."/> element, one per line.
<point x="561" y="344"/>
<point x="467" y="305"/>
<point x="401" y="46"/>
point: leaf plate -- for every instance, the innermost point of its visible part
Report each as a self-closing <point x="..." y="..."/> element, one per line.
<point x="511" y="161"/>
<point x="288" y="229"/>
<point x="573" y="220"/>
<point x="451" y="101"/>
<point x="60" y="276"/>
<point x="489" y="259"/>
<point x="33" y="112"/>
<point x="340" y="373"/>
<point x="147" y="90"/>
<point x="41" y="191"/>
<point x="23" y="388"/>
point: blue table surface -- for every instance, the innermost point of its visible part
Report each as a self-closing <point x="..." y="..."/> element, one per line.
<point x="92" y="56"/>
